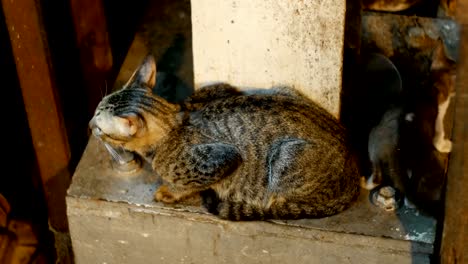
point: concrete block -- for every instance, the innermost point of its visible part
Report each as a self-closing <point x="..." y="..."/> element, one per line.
<point x="264" y="43"/>
<point x="113" y="219"/>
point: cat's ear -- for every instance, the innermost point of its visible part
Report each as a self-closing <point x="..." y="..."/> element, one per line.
<point x="145" y="74"/>
<point x="129" y="125"/>
<point x="439" y="57"/>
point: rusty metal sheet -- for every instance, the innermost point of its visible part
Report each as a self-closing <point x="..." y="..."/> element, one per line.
<point x="408" y="39"/>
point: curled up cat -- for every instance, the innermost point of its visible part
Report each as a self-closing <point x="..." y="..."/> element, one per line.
<point x="251" y="156"/>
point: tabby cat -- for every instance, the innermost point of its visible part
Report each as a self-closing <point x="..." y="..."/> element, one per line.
<point x="252" y="156"/>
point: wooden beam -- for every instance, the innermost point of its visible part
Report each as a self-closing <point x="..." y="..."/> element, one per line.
<point x="454" y="247"/>
<point x="36" y="78"/>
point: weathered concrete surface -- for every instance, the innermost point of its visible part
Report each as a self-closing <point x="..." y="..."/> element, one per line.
<point x="113" y="219"/>
<point x="105" y="232"/>
<point x="263" y="43"/>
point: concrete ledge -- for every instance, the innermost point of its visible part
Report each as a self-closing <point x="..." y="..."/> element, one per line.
<point x="105" y="232"/>
<point x="113" y="219"/>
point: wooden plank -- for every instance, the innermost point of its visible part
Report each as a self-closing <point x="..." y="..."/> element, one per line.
<point x="93" y="43"/>
<point x="30" y="50"/>
<point x="454" y="247"/>
<point x="447" y="9"/>
<point x="461" y="11"/>
<point x="4" y="211"/>
<point x="7" y="244"/>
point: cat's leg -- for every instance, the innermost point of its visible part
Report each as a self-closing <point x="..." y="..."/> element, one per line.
<point x="389" y="197"/>
<point x="440" y="142"/>
<point x="170" y="193"/>
<point x="195" y="169"/>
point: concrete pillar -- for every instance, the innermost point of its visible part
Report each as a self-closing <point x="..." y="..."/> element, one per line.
<point x="264" y="43"/>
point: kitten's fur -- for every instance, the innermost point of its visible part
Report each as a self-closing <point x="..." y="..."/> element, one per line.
<point x="384" y="144"/>
<point x="254" y="156"/>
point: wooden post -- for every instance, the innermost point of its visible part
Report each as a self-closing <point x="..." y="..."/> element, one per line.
<point x="36" y="78"/>
<point x="454" y="247"/>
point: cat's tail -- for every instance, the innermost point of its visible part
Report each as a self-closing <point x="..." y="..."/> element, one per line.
<point x="242" y="211"/>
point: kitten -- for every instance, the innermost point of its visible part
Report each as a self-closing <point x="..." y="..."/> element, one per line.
<point x="252" y="156"/>
<point x="443" y="72"/>
<point x="384" y="142"/>
<point x="402" y="147"/>
<point x="384" y="151"/>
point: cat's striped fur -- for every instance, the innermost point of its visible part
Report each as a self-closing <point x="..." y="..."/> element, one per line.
<point x="256" y="156"/>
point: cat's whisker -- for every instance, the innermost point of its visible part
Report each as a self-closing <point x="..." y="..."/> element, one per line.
<point x="115" y="155"/>
<point x="105" y="83"/>
<point x="100" y="90"/>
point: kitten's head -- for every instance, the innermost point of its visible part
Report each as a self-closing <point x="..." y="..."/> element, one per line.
<point x="133" y="118"/>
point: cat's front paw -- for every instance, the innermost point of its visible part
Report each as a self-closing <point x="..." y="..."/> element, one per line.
<point x="164" y="195"/>
<point x="443" y="145"/>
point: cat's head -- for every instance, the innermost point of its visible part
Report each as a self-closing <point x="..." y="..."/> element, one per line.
<point x="133" y="118"/>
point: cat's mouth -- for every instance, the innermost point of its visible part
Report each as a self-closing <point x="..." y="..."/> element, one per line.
<point x="99" y="134"/>
<point x="118" y="153"/>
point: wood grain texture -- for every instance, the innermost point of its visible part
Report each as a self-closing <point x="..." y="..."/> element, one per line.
<point x="454" y="247"/>
<point x="36" y="78"/>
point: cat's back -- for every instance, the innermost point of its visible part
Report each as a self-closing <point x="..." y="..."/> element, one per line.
<point x="266" y="117"/>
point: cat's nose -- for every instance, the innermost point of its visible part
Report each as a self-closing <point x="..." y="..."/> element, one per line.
<point x="92" y="123"/>
<point x="94" y="128"/>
